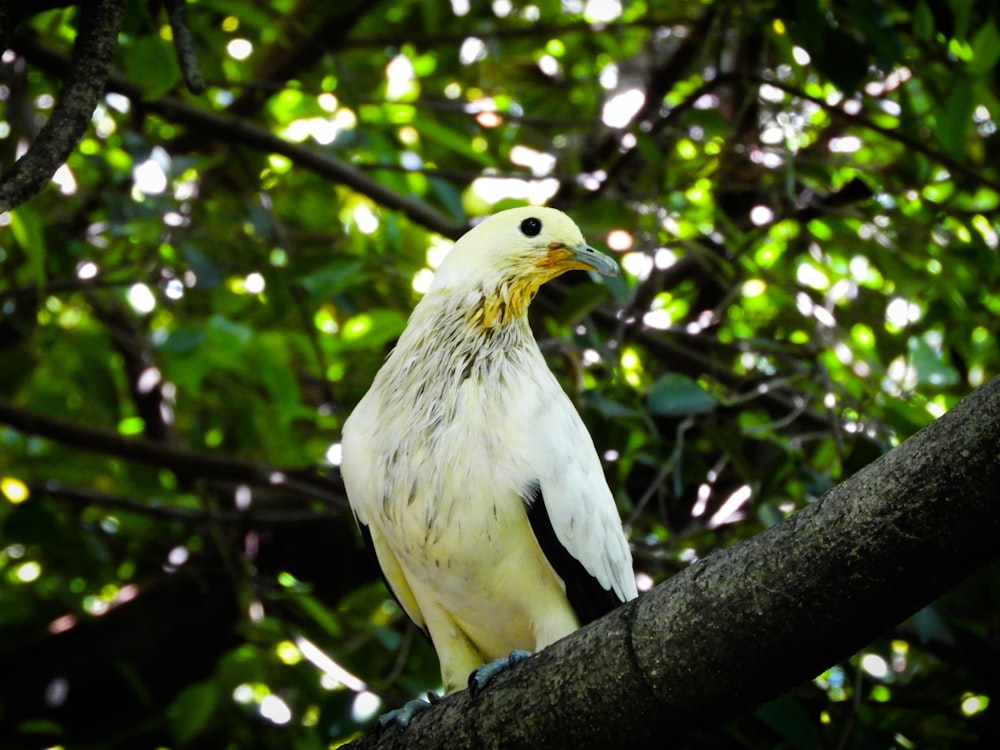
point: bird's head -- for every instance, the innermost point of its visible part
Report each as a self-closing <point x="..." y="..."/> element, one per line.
<point x="509" y="255"/>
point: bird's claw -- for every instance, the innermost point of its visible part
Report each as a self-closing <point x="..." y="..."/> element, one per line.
<point x="401" y="717"/>
<point x="485" y="673"/>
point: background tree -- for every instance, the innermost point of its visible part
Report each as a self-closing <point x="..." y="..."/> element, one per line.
<point x="804" y="201"/>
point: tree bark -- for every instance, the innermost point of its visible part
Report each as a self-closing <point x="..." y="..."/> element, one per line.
<point x="752" y="621"/>
<point x="96" y="40"/>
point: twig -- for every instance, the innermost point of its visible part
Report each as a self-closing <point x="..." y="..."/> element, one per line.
<point x="184" y="45"/>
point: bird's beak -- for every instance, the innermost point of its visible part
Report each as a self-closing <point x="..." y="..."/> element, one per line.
<point x="587" y="256"/>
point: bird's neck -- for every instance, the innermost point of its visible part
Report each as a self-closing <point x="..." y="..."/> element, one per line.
<point x="506" y="304"/>
<point x="451" y="337"/>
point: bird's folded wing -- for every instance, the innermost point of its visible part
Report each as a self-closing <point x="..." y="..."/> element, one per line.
<point x="587" y="596"/>
<point x="575" y="520"/>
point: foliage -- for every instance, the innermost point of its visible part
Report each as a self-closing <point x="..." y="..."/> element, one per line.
<point x="804" y="199"/>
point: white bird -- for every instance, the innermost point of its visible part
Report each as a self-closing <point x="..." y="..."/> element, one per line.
<point x="470" y="472"/>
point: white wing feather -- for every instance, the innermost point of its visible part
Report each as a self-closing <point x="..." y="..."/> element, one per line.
<point x="576" y="495"/>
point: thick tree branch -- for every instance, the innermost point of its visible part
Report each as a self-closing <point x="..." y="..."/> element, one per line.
<point x="96" y="39"/>
<point x="752" y="621"/>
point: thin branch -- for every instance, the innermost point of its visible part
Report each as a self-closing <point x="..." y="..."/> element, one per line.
<point x="688" y="354"/>
<point x="251" y="515"/>
<point x="145" y="386"/>
<point x="184" y="45"/>
<point x="461" y="176"/>
<point x="234" y="130"/>
<point x="31" y="292"/>
<point x="550" y="30"/>
<point x="182" y="461"/>
<point x="460" y="107"/>
<point x="12" y="13"/>
<point x="953" y="165"/>
<point x="86" y="71"/>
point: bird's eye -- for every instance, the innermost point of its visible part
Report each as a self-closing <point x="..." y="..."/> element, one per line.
<point x="531" y="227"/>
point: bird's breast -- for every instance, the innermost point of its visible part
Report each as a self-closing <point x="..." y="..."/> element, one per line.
<point x="454" y="476"/>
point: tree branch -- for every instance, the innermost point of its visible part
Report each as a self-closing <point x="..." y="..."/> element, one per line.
<point x="752" y="621"/>
<point x="96" y="39"/>
<point x="184" y="45"/>
<point x="234" y="130"/>
<point x="182" y="461"/>
<point x="970" y="172"/>
<point x="543" y="30"/>
<point x="191" y="516"/>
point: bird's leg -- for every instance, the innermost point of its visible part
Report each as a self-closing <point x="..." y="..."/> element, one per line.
<point x="401" y="717"/>
<point x="485" y="673"/>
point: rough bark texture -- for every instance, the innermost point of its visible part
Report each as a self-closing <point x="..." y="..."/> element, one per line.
<point x="752" y="621"/>
<point x="96" y="39"/>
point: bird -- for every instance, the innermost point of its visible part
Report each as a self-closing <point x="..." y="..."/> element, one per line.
<point x="469" y="471"/>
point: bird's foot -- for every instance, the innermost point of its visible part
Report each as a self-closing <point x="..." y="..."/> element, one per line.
<point x="485" y="673"/>
<point x="401" y="717"/>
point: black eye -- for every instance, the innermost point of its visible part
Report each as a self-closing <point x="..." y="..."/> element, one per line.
<point x="531" y="227"/>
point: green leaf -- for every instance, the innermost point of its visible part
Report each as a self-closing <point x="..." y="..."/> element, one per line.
<point x="923" y="21"/>
<point x="954" y="118"/>
<point x="372" y="329"/>
<point x="675" y="395"/>
<point x="985" y="49"/>
<point x="931" y="368"/>
<point x="40" y="726"/>
<point x="152" y="65"/>
<point x="191" y="711"/>
<point x="454" y="140"/>
<point x="228" y="334"/>
<point x="450" y="198"/>
<point x="390" y="638"/>
<point x="208" y="273"/>
<point x="930" y="625"/>
<point x="29" y="232"/>
<point x="607" y="407"/>
<point x="184" y="339"/>
<point x="333" y="278"/>
<point x="319" y="614"/>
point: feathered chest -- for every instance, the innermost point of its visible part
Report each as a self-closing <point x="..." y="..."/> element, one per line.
<point x="455" y="413"/>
